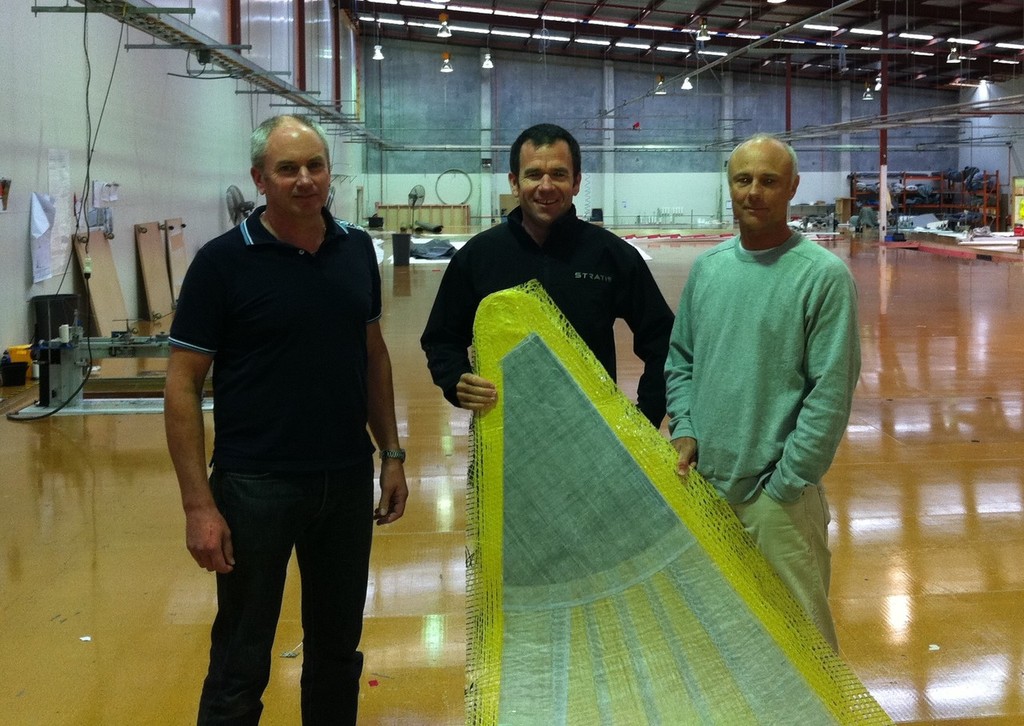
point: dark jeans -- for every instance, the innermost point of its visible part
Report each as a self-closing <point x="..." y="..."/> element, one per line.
<point x="327" y="517"/>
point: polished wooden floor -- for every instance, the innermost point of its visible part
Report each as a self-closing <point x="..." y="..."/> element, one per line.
<point x="104" y="617"/>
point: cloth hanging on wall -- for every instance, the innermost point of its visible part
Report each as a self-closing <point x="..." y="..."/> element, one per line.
<point x="600" y="588"/>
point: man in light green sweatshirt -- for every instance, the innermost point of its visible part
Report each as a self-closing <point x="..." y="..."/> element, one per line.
<point x="763" y="360"/>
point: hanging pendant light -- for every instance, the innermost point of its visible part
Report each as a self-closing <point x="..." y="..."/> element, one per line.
<point x="444" y="31"/>
<point x="687" y="86"/>
<point x="378" y="54"/>
<point x="488" y="63"/>
<point x="703" y="35"/>
<point x="660" y="89"/>
<point x="867" y="93"/>
<point x="446" y="63"/>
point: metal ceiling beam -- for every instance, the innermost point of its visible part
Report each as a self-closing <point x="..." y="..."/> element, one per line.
<point x="146" y="17"/>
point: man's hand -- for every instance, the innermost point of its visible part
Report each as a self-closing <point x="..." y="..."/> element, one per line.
<point x="687" y="449"/>
<point x="208" y="539"/>
<point x="476" y="393"/>
<point x="393" y="492"/>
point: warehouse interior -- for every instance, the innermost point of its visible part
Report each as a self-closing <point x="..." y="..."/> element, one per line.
<point x="126" y="131"/>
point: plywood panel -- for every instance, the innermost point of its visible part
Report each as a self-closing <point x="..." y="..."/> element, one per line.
<point x="454" y="218"/>
<point x="156" y="280"/>
<point x="177" y="255"/>
<point x="106" y="301"/>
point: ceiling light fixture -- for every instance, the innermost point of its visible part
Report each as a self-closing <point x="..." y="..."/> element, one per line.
<point x="878" y="82"/>
<point x="660" y="89"/>
<point x="702" y="34"/>
<point x="867" y="93"/>
<point x="446" y="63"/>
<point x="488" y="63"/>
<point x="444" y="31"/>
<point x="687" y="86"/>
<point x="378" y="54"/>
<point x="953" y="56"/>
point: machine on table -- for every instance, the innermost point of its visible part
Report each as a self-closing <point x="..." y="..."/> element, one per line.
<point x="65" y="365"/>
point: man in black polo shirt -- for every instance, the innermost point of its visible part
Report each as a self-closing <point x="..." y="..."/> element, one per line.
<point x="292" y="459"/>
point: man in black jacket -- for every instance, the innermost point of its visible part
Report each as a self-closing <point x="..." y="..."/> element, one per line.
<point x="592" y="275"/>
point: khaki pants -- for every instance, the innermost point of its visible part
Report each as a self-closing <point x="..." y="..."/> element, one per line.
<point x="793" y="536"/>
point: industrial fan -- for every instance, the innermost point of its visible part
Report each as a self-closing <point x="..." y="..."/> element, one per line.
<point x="416" y="195"/>
<point x="238" y="208"/>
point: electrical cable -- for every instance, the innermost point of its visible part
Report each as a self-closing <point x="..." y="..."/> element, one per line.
<point x="91" y="139"/>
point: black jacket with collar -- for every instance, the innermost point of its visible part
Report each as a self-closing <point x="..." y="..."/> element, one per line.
<point x="592" y="275"/>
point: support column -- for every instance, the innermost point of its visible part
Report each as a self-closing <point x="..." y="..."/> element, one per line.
<point x="486" y="201"/>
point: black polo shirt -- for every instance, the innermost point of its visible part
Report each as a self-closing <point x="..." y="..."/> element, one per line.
<point x="287" y="330"/>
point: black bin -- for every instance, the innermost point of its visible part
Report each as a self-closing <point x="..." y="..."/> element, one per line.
<point x="400" y="244"/>
<point x="51" y="312"/>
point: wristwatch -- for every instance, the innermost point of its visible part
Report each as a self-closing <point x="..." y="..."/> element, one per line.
<point x="392" y="454"/>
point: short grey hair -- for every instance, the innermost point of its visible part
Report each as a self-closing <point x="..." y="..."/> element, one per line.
<point x="260" y="136"/>
<point x="771" y="137"/>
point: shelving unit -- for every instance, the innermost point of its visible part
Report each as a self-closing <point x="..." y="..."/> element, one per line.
<point x="973" y="201"/>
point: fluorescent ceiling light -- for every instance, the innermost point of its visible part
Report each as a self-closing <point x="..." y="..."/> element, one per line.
<point x="673" y="48"/>
<point x="593" y="41"/>
<point x="471" y="9"/>
<point x="609" y="23"/>
<point x="630" y="44"/>
<point x="917" y="36"/>
<point x="469" y="29"/>
<point x="511" y="33"/>
<point x="514" y="14"/>
<point x="1006" y="62"/>
<point x="559" y="19"/>
<point x="828" y="28"/>
<point x="746" y="36"/>
<point x="385" y="2"/>
<point x="792" y="42"/>
<point x="413" y="4"/>
<point x="549" y="36"/>
<point x="964" y="41"/>
<point x="921" y="52"/>
<point x="865" y="31"/>
<point x="1010" y="46"/>
<point x="663" y="28"/>
<point x="713" y="52"/>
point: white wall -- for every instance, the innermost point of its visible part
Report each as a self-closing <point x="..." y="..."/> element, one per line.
<point x="173" y="144"/>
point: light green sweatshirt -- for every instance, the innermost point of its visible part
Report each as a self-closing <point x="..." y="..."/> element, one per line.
<point x="762" y="364"/>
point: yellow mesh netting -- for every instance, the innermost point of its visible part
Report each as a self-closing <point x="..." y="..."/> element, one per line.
<point x="600" y="589"/>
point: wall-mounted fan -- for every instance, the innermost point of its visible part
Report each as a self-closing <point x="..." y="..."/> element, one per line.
<point x="238" y="208"/>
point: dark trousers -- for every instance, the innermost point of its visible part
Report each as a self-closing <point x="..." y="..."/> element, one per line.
<point x="327" y="518"/>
